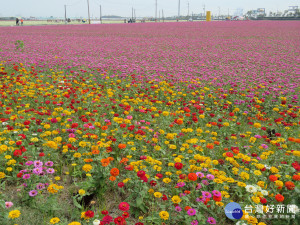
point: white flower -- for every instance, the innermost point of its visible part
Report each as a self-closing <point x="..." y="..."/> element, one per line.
<point x="240" y="223"/>
<point x="264" y="192"/>
<point x="293" y="209"/>
<point x="4" y="123"/>
<point x="15" y="132"/>
<point x="251" y="189"/>
<point x="96" y="222"/>
<point x="267" y="167"/>
<point x="33" y="134"/>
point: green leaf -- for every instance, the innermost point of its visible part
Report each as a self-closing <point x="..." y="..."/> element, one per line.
<point x="76" y="203"/>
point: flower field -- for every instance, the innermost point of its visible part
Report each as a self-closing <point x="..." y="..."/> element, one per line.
<point x="159" y="123"/>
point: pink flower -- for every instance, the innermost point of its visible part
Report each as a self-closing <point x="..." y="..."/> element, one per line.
<point x="8" y="204"/>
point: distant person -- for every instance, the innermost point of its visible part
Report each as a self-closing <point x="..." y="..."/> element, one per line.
<point x="124" y="20"/>
<point x="17" y="21"/>
<point x="22" y="22"/>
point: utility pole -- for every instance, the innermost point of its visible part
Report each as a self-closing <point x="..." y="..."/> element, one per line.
<point x="188" y="10"/>
<point x="219" y="13"/>
<point x="163" y="17"/>
<point x="228" y="12"/>
<point x="65" y="14"/>
<point x="134" y="15"/>
<point x="155" y="10"/>
<point x="88" y="2"/>
<point x="203" y="12"/>
<point x="100" y="14"/>
<point x="159" y="15"/>
<point x="178" y="9"/>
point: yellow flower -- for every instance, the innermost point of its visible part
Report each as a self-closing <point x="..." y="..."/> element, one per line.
<point x="14" y="214"/>
<point x="81" y="192"/>
<point x="157" y="194"/>
<point x="74" y="223"/>
<point x="167" y="180"/>
<point x="77" y="155"/>
<point x="2" y="175"/>
<point x="164" y="215"/>
<point x="176" y="199"/>
<point x="87" y="168"/>
<point x="256" y="199"/>
<point x="54" y="220"/>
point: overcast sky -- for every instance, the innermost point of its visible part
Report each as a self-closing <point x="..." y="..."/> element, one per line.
<point x="78" y="8"/>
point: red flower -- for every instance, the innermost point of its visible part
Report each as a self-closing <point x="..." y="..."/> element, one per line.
<point x="121" y="184"/>
<point x="153" y="183"/>
<point x="107" y="219"/>
<point x="74" y="125"/>
<point x="159" y="175"/>
<point x="229" y="154"/>
<point x="263" y="200"/>
<point x="178" y="165"/>
<point x="89" y="214"/>
<point x="17" y="153"/>
<point x="19" y="143"/>
<point x="125" y="215"/>
<point x="165" y="198"/>
<point x="141" y="173"/>
<point x="104" y="212"/>
<point x="120" y="221"/>
<point x="42" y="154"/>
<point x="19" y="175"/>
<point x="124" y="206"/>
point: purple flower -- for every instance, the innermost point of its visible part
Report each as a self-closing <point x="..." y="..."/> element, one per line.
<point x="211" y="220"/>
<point x="37" y="170"/>
<point x="38" y="163"/>
<point x="178" y="209"/>
<point x="199" y="174"/>
<point x="49" y="163"/>
<point x="198" y="186"/>
<point x="205" y="182"/>
<point x="40" y="186"/>
<point x="50" y="170"/>
<point x="33" y="193"/>
<point x="210" y="176"/>
<point x="191" y="212"/>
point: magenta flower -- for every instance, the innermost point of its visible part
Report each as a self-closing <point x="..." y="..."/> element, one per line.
<point x="191" y="212"/>
<point x="26" y="176"/>
<point x="194" y="222"/>
<point x="38" y="163"/>
<point x="211" y="220"/>
<point x="49" y="163"/>
<point x="178" y="209"/>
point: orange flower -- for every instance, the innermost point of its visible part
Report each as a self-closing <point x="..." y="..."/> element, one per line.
<point x="216" y="142"/>
<point x="272" y="178"/>
<point x="104" y="127"/>
<point x="291" y="139"/>
<point x="96" y="152"/>
<point x="296" y="177"/>
<point x="114" y="172"/>
<point x="290" y="185"/>
<point x="213" y="123"/>
<point x="187" y="208"/>
<point x="110" y="159"/>
<point x="210" y="146"/>
<point x="105" y="162"/>
<point x="179" y="121"/>
<point x="192" y="176"/>
<point x="122" y="146"/>
<point x="88" y="160"/>
<point x="112" y="178"/>
<point x="124" y="160"/>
